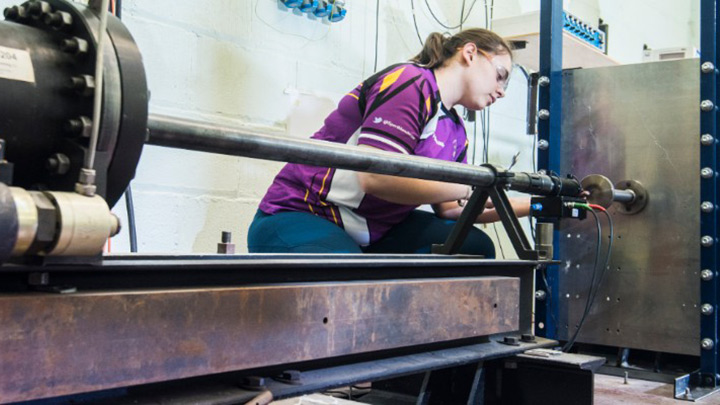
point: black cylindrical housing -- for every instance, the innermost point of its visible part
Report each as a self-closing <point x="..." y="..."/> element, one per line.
<point x="47" y="67"/>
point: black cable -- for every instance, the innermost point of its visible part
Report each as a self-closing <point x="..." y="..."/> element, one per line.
<point x="377" y="31"/>
<point x="488" y="135"/>
<point x="131" y="219"/>
<point x="534" y="170"/>
<point x="492" y="13"/>
<point x="607" y="257"/>
<point x="417" y="31"/>
<point x="474" y="141"/>
<point x="591" y="294"/>
<point x="446" y="26"/>
<point x="487" y="21"/>
<point x="462" y="14"/>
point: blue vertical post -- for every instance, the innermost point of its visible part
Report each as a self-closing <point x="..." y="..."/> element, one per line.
<point x="708" y="193"/>
<point x="549" y="126"/>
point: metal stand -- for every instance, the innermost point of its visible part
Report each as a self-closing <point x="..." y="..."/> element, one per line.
<point x="476" y="206"/>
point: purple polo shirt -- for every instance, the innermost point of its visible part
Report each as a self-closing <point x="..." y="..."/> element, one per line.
<point x="397" y="110"/>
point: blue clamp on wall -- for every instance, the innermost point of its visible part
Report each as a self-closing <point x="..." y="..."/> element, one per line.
<point x="308" y="6"/>
<point x="323" y="9"/>
<point x="292" y="3"/>
<point x="337" y="14"/>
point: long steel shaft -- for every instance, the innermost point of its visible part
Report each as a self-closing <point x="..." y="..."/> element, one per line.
<point x="194" y="135"/>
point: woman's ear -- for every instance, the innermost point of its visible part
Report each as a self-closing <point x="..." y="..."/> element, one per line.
<point x="469" y="52"/>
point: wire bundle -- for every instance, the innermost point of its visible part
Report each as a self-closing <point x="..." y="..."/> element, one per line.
<point x="594" y="287"/>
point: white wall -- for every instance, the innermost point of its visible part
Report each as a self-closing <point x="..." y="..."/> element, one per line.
<point x="253" y="63"/>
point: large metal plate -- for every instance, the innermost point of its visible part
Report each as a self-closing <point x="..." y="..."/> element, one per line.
<point x="52" y="345"/>
<point x="638" y="122"/>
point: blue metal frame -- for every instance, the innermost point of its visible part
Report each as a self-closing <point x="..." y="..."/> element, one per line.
<point x="709" y="17"/>
<point x="550" y="99"/>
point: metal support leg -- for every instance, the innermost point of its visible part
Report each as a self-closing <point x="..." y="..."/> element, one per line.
<point x="512" y="226"/>
<point x="423" y="397"/>
<point x="477" y="391"/>
<point x="474" y="207"/>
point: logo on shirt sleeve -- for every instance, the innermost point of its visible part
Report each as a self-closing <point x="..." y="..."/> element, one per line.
<point x="378" y="120"/>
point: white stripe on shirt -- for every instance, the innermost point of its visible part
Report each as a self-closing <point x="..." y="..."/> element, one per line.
<point x="385" y="141"/>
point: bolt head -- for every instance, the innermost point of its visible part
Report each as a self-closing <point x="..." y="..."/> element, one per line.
<point x="706" y="275"/>
<point x="707" y="140"/>
<point x="706" y="241"/>
<point x="706" y="173"/>
<point x="76" y="46"/>
<point x="83" y="84"/>
<point x="707" y="207"/>
<point x="39" y="8"/>
<point x="543" y="144"/>
<point x="540" y="295"/>
<point x="11" y="13"/>
<point x="707" y="67"/>
<point x="707" y="344"/>
<point x="543" y="114"/>
<point x="707" y="105"/>
<point x="544" y="81"/>
<point x="707" y="309"/>
<point x="58" y="164"/>
<point x="58" y="20"/>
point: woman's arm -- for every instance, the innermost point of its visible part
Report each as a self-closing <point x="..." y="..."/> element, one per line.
<point x="452" y="210"/>
<point x="403" y="190"/>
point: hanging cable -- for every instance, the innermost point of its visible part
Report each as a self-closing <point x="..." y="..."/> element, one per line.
<point x="116" y="10"/>
<point x="97" y="100"/>
<point x="487" y="15"/>
<point x="417" y="31"/>
<point x="130" y="206"/>
<point x="594" y="287"/>
<point x="492" y="13"/>
<point x="447" y="26"/>
<point x="377" y="32"/>
<point x="611" y="238"/>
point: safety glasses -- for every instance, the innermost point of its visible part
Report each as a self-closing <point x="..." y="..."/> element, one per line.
<point x="503" y="75"/>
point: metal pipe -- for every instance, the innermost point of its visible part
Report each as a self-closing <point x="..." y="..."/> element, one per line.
<point x="186" y="134"/>
<point x="624" y="196"/>
<point x="194" y="135"/>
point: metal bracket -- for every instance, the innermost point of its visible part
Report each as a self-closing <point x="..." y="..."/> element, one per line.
<point x="510" y="221"/>
<point x="695" y="386"/>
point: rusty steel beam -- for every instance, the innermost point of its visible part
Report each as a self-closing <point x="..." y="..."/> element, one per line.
<point x="52" y="345"/>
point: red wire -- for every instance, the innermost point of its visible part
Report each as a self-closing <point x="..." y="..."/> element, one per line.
<point x="597" y="207"/>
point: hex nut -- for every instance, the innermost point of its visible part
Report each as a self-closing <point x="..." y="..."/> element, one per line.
<point x="58" y="164"/>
